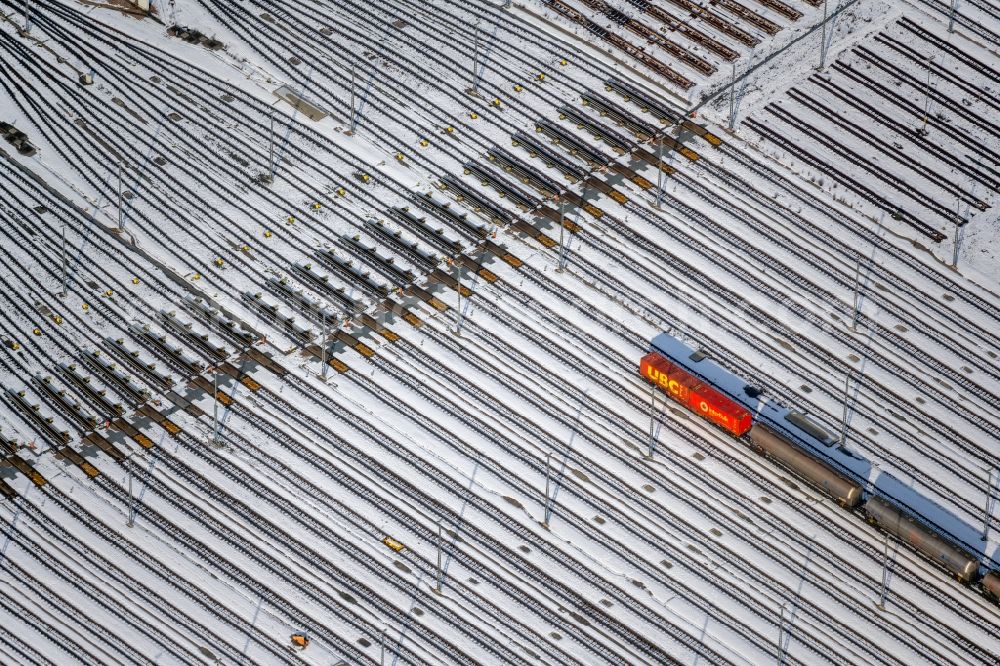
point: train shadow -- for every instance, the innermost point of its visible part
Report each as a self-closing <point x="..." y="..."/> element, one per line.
<point x="935" y="516"/>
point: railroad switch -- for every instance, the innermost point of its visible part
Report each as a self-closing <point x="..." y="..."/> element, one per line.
<point x="393" y="544"/>
<point x="290" y="220"/>
<point x="473" y="115"/>
<point x="57" y="319"/>
<point x="196" y="276"/>
<point x="341" y="192"/>
<point x="85" y="306"/>
<point x="317" y="206"/>
<point x="541" y="76"/>
<point x="267" y="233"/>
<point x="109" y="293"/>
<point x="564" y="62"/>
<point x="495" y="102"/>
<point x="135" y="280"/>
<point x="424" y="143"/>
<point x="449" y="129"/>
<point x="219" y="262"/>
<point x="518" y="87"/>
<point x="37" y="331"/>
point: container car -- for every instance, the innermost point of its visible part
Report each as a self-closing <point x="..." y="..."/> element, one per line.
<point x="906" y="528"/>
<point x="695" y="394"/>
<point x="766" y="441"/>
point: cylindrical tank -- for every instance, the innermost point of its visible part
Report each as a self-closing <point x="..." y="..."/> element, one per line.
<point x="991" y="583"/>
<point x="845" y="492"/>
<point x="904" y="526"/>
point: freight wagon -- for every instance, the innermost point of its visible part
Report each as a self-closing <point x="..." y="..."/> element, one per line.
<point x="694" y="393"/>
<point x="715" y="394"/>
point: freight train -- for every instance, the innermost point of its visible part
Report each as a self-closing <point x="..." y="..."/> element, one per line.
<point x="709" y="391"/>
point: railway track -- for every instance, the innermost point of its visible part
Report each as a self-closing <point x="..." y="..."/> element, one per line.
<point x="287" y="250"/>
<point x="611" y="379"/>
<point x="754" y="576"/>
<point x="825" y="239"/>
<point x="558" y="559"/>
<point x="654" y="310"/>
<point x="964" y="441"/>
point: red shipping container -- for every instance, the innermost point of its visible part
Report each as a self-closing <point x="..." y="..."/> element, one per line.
<point x="695" y="394"/>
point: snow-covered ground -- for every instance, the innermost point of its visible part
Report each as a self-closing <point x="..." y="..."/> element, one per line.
<point x="195" y="211"/>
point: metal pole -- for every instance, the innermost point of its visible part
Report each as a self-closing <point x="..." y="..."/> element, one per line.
<point x="954" y="253"/>
<point x="545" y="513"/>
<point x="475" y="60"/>
<point x="458" y="290"/>
<point x="27" y="16"/>
<point x="64" y="287"/>
<point x="857" y="293"/>
<point x="562" y="232"/>
<point x="652" y="418"/>
<point x="215" y="410"/>
<point x="382" y="643"/>
<point x="659" y="173"/>
<point x="989" y="498"/>
<point x="958" y="229"/>
<point x="438" y="582"/>
<point x="353" y="68"/>
<point x="732" y="99"/>
<point x="822" y="46"/>
<point x="781" y="630"/>
<point x="951" y="16"/>
<point x="324" y="342"/>
<point x="885" y="574"/>
<point x="927" y="96"/>
<point x="843" y="421"/>
<point x="121" y="219"/>
<point x="270" y="150"/>
<point x="131" y="509"/>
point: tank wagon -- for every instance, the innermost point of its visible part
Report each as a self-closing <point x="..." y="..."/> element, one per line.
<point x="715" y="394"/>
<point x="906" y="528"/>
<point x="991" y="585"/>
<point x="766" y="441"/>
